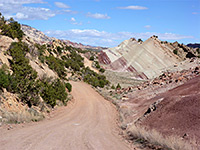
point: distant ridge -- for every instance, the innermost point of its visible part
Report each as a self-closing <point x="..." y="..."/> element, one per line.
<point x="41" y="38"/>
<point x="146" y="59"/>
<point x="195" y="45"/>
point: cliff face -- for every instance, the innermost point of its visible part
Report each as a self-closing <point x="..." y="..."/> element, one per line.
<point x="147" y="59"/>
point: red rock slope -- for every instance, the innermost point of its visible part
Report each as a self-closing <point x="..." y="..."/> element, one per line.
<point x="178" y="113"/>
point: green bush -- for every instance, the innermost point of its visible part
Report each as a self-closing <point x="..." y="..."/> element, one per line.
<point x="92" y="58"/>
<point x="52" y="91"/>
<point x="102" y="70"/>
<point x="96" y="80"/>
<point x="11" y="29"/>
<point x="41" y="50"/>
<point x="60" y="91"/>
<point x="68" y="86"/>
<point x="48" y="93"/>
<point x="59" y="49"/>
<point x="112" y="87"/>
<point x="73" y="60"/>
<point x="118" y="86"/>
<point x="175" y="52"/>
<point x="4" y="79"/>
<point x="23" y="77"/>
<point x="97" y="65"/>
<point x="57" y="65"/>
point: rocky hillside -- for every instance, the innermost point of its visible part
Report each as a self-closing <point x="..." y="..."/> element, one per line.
<point x="86" y="47"/>
<point x="36" y="70"/>
<point x="36" y="35"/>
<point x="39" y="37"/>
<point x="163" y="110"/>
<point x="146" y="59"/>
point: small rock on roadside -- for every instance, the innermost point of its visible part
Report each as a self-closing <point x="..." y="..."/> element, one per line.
<point x="9" y="127"/>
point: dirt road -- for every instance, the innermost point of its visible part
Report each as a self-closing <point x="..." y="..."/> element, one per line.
<point x="89" y="123"/>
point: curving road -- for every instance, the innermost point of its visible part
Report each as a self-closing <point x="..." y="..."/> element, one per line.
<point x="89" y="123"/>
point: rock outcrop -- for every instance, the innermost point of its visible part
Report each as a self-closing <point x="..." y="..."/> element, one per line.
<point x="36" y="35"/>
<point x="147" y="59"/>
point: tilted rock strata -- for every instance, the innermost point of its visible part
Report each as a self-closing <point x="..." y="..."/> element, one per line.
<point x="147" y="59"/>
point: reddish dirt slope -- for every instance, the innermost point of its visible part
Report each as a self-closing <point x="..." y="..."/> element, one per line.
<point x="179" y="111"/>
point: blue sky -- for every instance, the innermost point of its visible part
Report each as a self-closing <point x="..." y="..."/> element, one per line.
<point x="109" y="22"/>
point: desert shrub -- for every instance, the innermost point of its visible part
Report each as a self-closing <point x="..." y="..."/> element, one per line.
<point x="175" y="52"/>
<point x="49" y="50"/>
<point x="112" y="87"/>
<point x="94" y="79"/>
<point x="60" y="91"/>
<point x="92" y="58"/>
<point x="73" y="60"/>
<point x="118" y="86"/>
<point x="41" y="50"/>
<point x="75" y="57"/>
<point x="57" y="65"/>
<point x="55" y="52"/>
<point x="63" y="57"/>
<point x="59" y="49"/>
<point x="140" y="40"/>
<point x="75" y="66"/>
<point x="4" y="79"/>
<point x="52" y="91"/>
<point x="68" y="48"/>
<point x="11" y="28"/>
<point x="23" y="77"/>
<point x="102" y="70"/>
<point x="68" y="86"/>
<point x="97" y="65"/>
<point x="48" y="93"/>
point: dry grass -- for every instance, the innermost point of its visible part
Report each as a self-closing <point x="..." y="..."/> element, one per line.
<point x="12" y="110"/>
<point x="19" y="117"/>
<point x="154" y="137"/>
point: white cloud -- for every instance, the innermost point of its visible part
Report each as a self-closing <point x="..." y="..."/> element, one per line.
<point x="98" y="16"/>
<point x="19" y="2"/>
<point x="134" y="7"/>
<point x="147" y="26"/>
<point x="73" y="19"/>
<point x="69" y="11"/>
<point x="61" y="5"/>
<point x="102" y="38"/>
<point x="74" y="22"/>
<point x="17" y="10"/>
<point x="21" y="16"/>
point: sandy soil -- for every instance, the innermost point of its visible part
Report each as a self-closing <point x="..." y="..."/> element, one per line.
<point x="88" y="63"/>
<point x="90" y="122"/>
